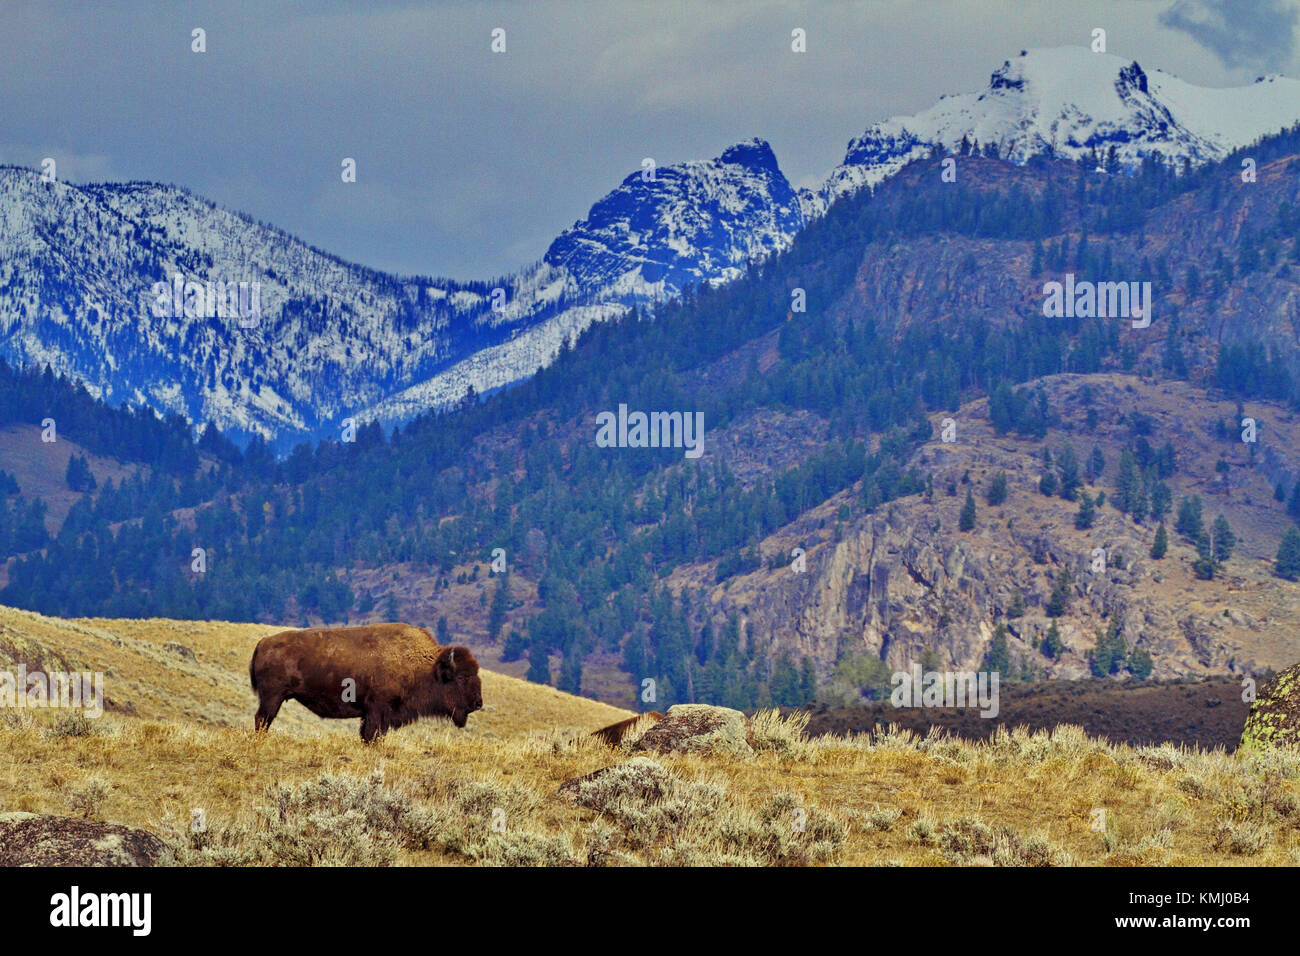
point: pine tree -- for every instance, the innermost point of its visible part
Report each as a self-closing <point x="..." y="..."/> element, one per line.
<point x="1128" y="484"/>
<point x="1161" y="498"/>
<point x="78" y="475"/>
<point x="1204" y="566"/>
<point x="514" y="646"/>
<point x="967" y="519"/>
<point x="1224" y="539"/>
<point x="1188" y="522"/>
<point x="1017" y="608"/>
<point x="571" y="671"/>
<point x="1108" y="656"/>
<point x="1287" y="565"/>
<point x="1096" y="462"/>
<point x="997" y="492"/>
<point x="1068" y="465"/>
<point x="1052" y="643"/>
<point x="1140" y="663"/>
<point x="808" y="681"/>
<point x="539" y="663"/>
<point x="500" y="605"/>
<point x="1087" y="512"/>
<point x="1160" y="546"/>
<point x="998" y="657"/>
<point x="1060" y="597"/>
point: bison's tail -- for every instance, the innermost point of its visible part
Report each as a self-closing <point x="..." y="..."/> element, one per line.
<point x="252" y="671"/>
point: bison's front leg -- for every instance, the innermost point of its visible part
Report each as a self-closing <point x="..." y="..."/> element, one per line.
<point x="372" y="724"/>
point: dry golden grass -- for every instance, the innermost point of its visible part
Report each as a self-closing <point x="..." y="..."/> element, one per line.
<point x="305" y="792"/>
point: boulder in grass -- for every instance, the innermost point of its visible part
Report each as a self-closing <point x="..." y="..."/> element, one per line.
<point x="702" y="729"/>
<point x="34" y="839"/>
<point x="1274" y="718"/>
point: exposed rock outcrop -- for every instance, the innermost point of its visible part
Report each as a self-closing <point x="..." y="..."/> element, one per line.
<point x="1274" y="720"/>
<point x="31" y="839"/>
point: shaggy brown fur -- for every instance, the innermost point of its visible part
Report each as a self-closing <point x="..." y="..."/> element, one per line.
<point x="387" y="674"/>
<point x="614" y="733"/>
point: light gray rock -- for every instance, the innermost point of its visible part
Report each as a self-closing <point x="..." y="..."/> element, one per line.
<point x="700" y="728"/>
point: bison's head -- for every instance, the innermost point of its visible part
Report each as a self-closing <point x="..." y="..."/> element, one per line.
<point x="457" y="671"/>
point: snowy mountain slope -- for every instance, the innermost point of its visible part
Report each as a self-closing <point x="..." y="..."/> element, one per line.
<point x="78" y="268"/>
<point x="1068" y="102"/>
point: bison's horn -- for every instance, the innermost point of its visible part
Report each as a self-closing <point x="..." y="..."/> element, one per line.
<point x="451" y="657"/>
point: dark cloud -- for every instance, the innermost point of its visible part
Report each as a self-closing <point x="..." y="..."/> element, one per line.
<point x="1239" y="32"/>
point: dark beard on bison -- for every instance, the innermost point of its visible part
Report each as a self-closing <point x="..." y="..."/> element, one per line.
<point x="459" y="718"/>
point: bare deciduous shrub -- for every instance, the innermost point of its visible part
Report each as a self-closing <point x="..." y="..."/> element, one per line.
<point x="71" y="723"/>
<point x="877" y="819"/>
<point x="924" y="829"/>
<point x="970" y="841"/>
<point x="17" y="720"/>
<point x="1242" y="837"/>
<point x="88" y="799"/>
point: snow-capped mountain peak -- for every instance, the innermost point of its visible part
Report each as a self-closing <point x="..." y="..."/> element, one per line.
<point x="1070" y="101"/>
<point x="692" y="222"/>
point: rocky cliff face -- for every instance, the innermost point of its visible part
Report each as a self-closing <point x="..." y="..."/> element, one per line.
<point x="1191" y="252"/>
<point x="904" y="580"/>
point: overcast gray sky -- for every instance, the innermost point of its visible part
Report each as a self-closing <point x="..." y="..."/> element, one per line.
<point x="470" y="162"/>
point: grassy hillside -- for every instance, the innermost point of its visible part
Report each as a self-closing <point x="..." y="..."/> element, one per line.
<point x="197" y="671"/>
<point x="177" y="740"/>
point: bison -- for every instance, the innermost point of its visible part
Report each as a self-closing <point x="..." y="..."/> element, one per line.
<point x="387" y="674"/>
<point x="614" y="733"/>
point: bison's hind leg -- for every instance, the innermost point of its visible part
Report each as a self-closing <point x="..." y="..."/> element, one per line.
<point x="267" y="708"/>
